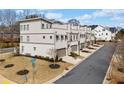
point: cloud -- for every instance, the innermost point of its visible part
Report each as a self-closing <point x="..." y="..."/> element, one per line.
<point x="112" y="14"/>
<point x="118" y="18"/>
<point x="84" y="17"/>
<point x="121" y="24"/>
<point x="54" y="15"/>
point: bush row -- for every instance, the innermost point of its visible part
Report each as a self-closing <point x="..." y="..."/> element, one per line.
<point x="74" y="55"/>
<point x="42" y="57"/>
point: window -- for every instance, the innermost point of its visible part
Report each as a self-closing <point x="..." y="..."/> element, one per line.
<point x="24" y="27"/>
<point x="34" y="48"/>
<point x="50" y="26"/>
<point x="80" y="35"/>
<point x="21" y="28"/>
<point x="62" y="37"/>
<point x="50" y="37"/>
<point x="43" y="37"/>
<point x="22" y="50"/>
<point x="106" y="33"/>
<point x="47" y="26"/>
<point x="28" y="38"/>
<point x="21" y="38"/>
<point x="71" y="38"/>
<point x="57" y="37"/>
<point x="66" y="37"/>
<point x="42" y="26"/>
<point x="74" y="37"/>
<point x="27" y="26"/>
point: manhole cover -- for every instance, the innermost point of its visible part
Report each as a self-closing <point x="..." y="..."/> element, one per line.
<point x="54" y="66"/>
<point x="9" y="65"/>
<point x="23" y="72"/>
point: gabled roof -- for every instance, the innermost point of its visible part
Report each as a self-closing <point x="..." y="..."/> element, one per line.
<point x="93" y="26"/>
<point x="56" y="21"/>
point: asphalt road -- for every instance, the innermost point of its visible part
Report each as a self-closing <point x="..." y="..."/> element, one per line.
<point x="5" y="50"/>
<point x="92" y="70"/>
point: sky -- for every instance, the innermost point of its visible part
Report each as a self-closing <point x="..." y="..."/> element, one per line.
<point x="106" y="17"/>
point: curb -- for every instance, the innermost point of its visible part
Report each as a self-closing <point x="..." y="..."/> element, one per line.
<point x="109" y="70"/>
<point x="70" y="68"/>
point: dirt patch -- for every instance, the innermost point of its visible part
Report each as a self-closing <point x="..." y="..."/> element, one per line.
<point x="43" y="72"/>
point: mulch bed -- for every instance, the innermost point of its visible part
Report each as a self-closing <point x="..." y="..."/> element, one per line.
<point x="1" y="60"/>
<point x="121" y="70"/>
<point x="8" y="65"/>
<point x="86" y="51"/>
<point x="120" y="82"/>
<point x="23" y="72"/>
<point x="91" y="48"/>
<point x="54" y="66"/>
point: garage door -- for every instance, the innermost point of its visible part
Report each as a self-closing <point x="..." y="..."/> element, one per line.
<point x="82" y="45"/>
<point x="74" y="48"/>
<point x="61" y="52"/>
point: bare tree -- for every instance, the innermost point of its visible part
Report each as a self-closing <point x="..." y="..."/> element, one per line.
<point x="74" y="22"/>
<point x="8" y="18"/>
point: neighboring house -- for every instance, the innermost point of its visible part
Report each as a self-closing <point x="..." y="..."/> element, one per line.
<point x="101" y="33"/>
<point x="10" y="34"/>
<point x="39" y="36"/>
<point x="7" y="36"/>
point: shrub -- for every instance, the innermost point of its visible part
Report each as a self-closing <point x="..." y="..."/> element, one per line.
<point x="51" y="60"/>
<point x="60" y="59"/>
<point x="74" y="55"/>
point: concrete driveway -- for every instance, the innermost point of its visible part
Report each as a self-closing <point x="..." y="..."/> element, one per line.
<point x="92" y="70"/>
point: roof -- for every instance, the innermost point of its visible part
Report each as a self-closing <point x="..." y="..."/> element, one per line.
<point x="93" y="26"/>
<point x="33" y="19"/>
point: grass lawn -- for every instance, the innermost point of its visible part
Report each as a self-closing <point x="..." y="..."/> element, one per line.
<point x="43" y="71"/>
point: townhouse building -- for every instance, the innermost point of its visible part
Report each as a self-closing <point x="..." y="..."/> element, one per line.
<point x="40" y="36"/>
<point x="101" y="33"/>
